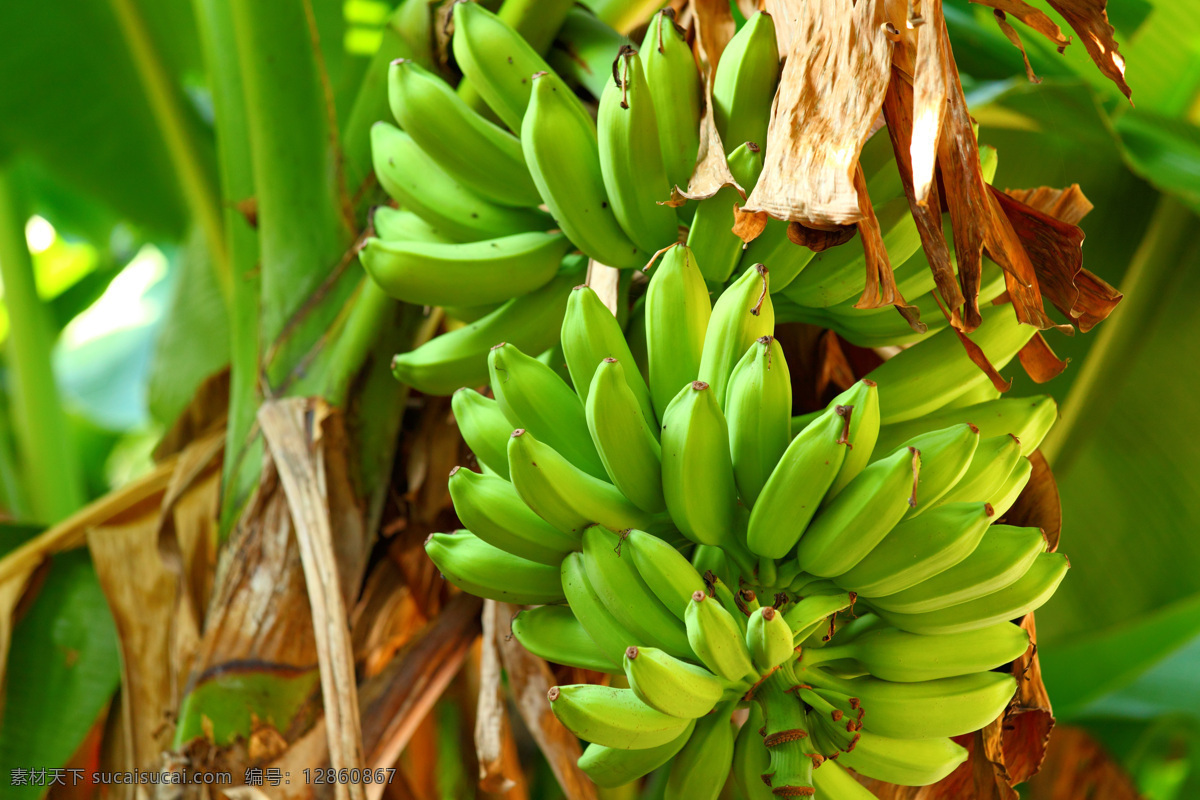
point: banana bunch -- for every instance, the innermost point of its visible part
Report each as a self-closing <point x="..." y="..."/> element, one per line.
<point x="846" y="575"/>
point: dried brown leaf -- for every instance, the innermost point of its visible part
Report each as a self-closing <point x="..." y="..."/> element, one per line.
<point x="929" y="93"/>
<point x="818" y="239"/>
<point x="714" y="28"/>
<point x="711" y="173"/>
<point x="1030" y="717"/>
<point x="749" y="225"/>
<point x="976" y="354"/>
<point x="605" y="282"/>
<point x="1011" y="34"/>
<point x="818" y="124"/>
<point x="1033" y="17"/>
<point x="205" y="413"/>
<point x="1039" y="506"/>
<point x="1007" y="249"/>
<point x="1089" y="19"/>
<point x="498" y="772"/>
<point x="880" y="287"/>
<point x="1077" y="766"/>
<point x="385" y="618"/>
<point x="1068" y="205"/>
<point x="1039" y="360"/>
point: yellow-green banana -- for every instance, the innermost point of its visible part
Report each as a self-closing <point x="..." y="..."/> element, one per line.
<point x="491" y="509"/>
<point x="750" y="759"/>
<point x="946" y="456"/>
<point x="1027" y="418"/>
<point x="758" y="406"/>
<point x="783" y="257"/>
<point x="862" y="432"/>
<point x="613" y="717"/>
<point x="904" y="762"/>
<point x="700" y="769"/>
<point x="1008" y="493"/>
<point x="835" y="783"/>
<point x="610" y="767"/>
<point x="665" y="570"/>
<point x="718" y="249"/>
<point x="769" y="639"/>
<point x="994" y="460"/>
<point x="605" y="630"/>
<point x="741" y="316"/>
<point x="674" y="83"/>
<point x="484" y="428"/>
<point x="477" y="567"/>
<point x="677" y="315"/>
<point x="744" y="85"/>
<point x="672" y="686"/>
<point x="584" y="49"/>
<point x="397" y="224"/>
<point x="627" y="445"/>
<point x="554" y="633"/>
<point x="717" y="639"/>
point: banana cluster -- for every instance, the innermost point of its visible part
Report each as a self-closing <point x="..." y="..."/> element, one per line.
<point x="840" y="575"/>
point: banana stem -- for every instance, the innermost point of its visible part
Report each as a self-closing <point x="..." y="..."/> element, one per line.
<point x="1169" y="244"/>
<point x="786" y="730"/>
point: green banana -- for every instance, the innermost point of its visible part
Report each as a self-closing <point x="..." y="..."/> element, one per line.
<point x="613" y="717"/>
<point x="759" y="409"/>
<point x="904" y="762"/>
<point x="1027" y="418"/>
<point x="895" y="655"/>
<point x="627" y="446"/>
<point x="711" y="233"/>
<point x="554" y="633"/>
<point x="413" y="178"/>
<point x="835" y="783"/>
<point x="564" y="495"/>
<point x="795" y="487"/>
<point x="717" y="639"/>
<point x="484" y="428"/>
<point x="699" y="771"/>
<point x="677" y="315"/>
<point x="491" y="509"/>
<point x="584" y="49"/>
<point x="784" y="258"/>
<point x="810" y="613"/>
<point x="675" y="88"/>
<point x="562" y="151"/>
<point x="862" y="400"/>
<point x="598" y="622"/>
<point x="741" y="316"/>
<point x="1027" y="593"/>
<point x="459" y="358"/>
<point x="918" y="549"/>
<point x="1005" y="554"/>
<point x="665" y="570"/>
<point x="533" y="396"/>
<point x="946" y="455"/>
<point x="610" y="767"/>
<point x="397" y="224"/>
<point x="994" y="460"/>
<point x="744" y="85"/>
<point x="458" y="138"/>
<point x="672" y="686"/>
<point x="1008" y="493"/>
<point x="769" y="639"/>
<point x="858" y="518"/>
<point x="476" y="273"/>
<point x="477" y="567"/>
<point x="710" y="559"/>
<point x="631" y="160"/>
<point x="751" y="759"/>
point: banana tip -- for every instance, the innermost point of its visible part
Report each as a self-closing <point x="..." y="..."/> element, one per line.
<point x="631" y="651"/>
<point x="518" y="432"/>
<point x="699" y="386"/>
<point x="699" y="596"/>
<point x="454" y="470"/>
<point x="553" y="694"/>
<point x="768" y="613"/>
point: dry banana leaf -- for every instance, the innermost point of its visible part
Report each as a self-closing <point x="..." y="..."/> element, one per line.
<point x="1077" y="766"/>
<point x="499" y="766"/>
<point x="1039" y="361"/>
<point x="1039" y="505"/>
<point x="1011" y="34"/>
<point x="1033" y="17"/>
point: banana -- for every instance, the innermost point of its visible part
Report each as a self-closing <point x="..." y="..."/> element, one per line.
<point x="610" y="767"/>
<point x="924" y="710"/>
<point x="631" y="454"/>
<point x="994" y="460"/>
<point x="1005" y="554"/>
<point x="707" y="559"/>
<point x="598" y="622"/>
<point x="782" y="257"/>
<point x="468" y="314"/>
<point x="484" y="428"/>
<point x="477" y="567"/>
<point x="901" y="657"/>
<point x="700" y="769"/>
<point x="759" y="409"/>
<point x="459" y="358"/>
<point x="677" y="315"/>
<point x="665" y="570"/>
<point x="564" y="495"/>
<point x="811" y="612"/>
<point x="769" y="639"/>
<point x="1027" y="593"/>
<point x="613" y="717"/>
<point x="458" y="138"/>
<point x="751" y="759"/>
<point x="476" y="273"/>
<point x="717" y="640"/>
<point x="862" y="400"/>
<point x="835" y="783"/>
<point x="1007" y="494"/>
<point x="946" y="456"/>
<point x="1029" y="419"/>
<point x="397" y="224"/>
<point x="720" y="591"/>
<point x="590" y="334"/>
<point x="794" y="490"/>
<point x="631" y="160"/>
<point x="414" y="179"/>
<point x="922" y="379"/>
<point x="532" y="396"/>
<point x="672" y="686"/>
<point x="491" y="509"/>
<point x="918" y="549"/>
<point x="555" y="634"/>
<point x="744" y="85"/>
<point x="904" y="762"/>
<point x="858" y="518"/>
<point x="584" y="49"/>
<point x="711" y="234"/>
<point x="675" y="89"/>
<point x="561" y="149"/>
<point x="741" y="316"/>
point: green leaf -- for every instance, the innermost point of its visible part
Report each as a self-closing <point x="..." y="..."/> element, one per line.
<point x="232" y="699"/>
<point x="1163" y="150"/>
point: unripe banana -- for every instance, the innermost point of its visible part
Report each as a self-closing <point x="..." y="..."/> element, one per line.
<point x="759" y="406"/>
<point x="631" y="454"/>
<point x="751" y="759"/>
<point x="895" y="655"/>
<point x="459" y="358"/>
<point x="590" y="334"/>
<point x="677" y="315"/>
<point x="491" y="509"/>
<point x="784" y="258"/>
<point x="769" y="639"/>
<point x="564" y="495"/>
<point x="630" y="158"/>
<point x="994" y="460"/>
<point x="609" y="635"/>
<point x="706" y="559"/>
<point x="700" y="769"/>
<point x="858" y="518"/>
<point x="532" y="396"/>
<point x="946" y="456"/>
<point x="674" y="83"/>
<point x="613" y="717"/>
<point x="484" y="428"/>
<point x="398" y="224"/>
<point x="555" y="634"/>
<point x="672" y="686"/>
<point x="717" y="640"/>
<point x="561" y="149"/>
<point x="1027" y="418"/>
<point x="904" y="762"/>
<point x="794" y="490"/>
<point x="1008" y="493"/>
<point x="918" y="549"/>
<point x="610" y="767"/>
<point x="414" y="179"/>
<point x="812" y="611"/>
<point x="475" y="273"/>
<point x="718" y="249"/>
<point x="741" y="316"/>
<point x="744" y="85"/>
<point x="862" y="400"/>
<point x="835" y="783"/>
<point x="665" y="570"/>
<point x="584" y="49"/>
<point x="1005" y="554"/>
<point x="1027" y="594"/>
<point x="459" y="138"/>
<point x="477" y="567"/>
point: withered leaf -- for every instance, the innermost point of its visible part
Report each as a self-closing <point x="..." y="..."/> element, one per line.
<point x="1029" y="719"/>
<point x="499" y="770"/>
<point x="817" y="239"/>
<point x="1011" y="34"/>
<point x="929" y="93"/>
<point x="1039" y="360"/>
<point x="1033" y="17"/>
<point x="976" y="354"/>
<point x="1077" y="766"/>
<point x="714" y="29"/>
<point x="1039" y="506"/>
<point x="1007" y="249"/>
<point x="1089" y="19"/>
<point x="748" y="225"/>
<point x="880" y="289"/>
